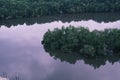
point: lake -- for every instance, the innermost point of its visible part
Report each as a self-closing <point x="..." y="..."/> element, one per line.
<point x="22" y="56"/>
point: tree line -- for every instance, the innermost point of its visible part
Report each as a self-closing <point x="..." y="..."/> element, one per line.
<point x="35" y="8"/>
<point x="83" y="41"/>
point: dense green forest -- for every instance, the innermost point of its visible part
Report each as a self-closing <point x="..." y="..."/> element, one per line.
<point x="83" y="41"/>
<point x="35" y="8"/>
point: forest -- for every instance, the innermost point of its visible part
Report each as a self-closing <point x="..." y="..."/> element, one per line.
<point x="36" y="8"/>
<point x="83" y="41"/>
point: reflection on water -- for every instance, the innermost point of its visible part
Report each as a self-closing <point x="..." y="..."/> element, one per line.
<point x="22" y="55"/>
<point x="2" y="78"/>
<point x="98" y="17"/>
<point x="95" y="62"/>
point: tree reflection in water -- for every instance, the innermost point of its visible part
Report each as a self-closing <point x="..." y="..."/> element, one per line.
<point x="98" y="17"/>
<point x="72" y="58"/>
<point x="93" y="47"/>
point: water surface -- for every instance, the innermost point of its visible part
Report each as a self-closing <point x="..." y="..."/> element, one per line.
<point x="22" y="56"/>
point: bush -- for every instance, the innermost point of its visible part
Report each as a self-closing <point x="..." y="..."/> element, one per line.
<point x="83" y="41"/>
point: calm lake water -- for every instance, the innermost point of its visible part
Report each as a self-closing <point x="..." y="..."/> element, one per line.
<point x="22" y="56"/>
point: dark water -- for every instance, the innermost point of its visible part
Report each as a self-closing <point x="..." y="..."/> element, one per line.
<point x="22" y="56"/>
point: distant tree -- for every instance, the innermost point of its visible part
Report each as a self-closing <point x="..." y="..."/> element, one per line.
<point x="83" y="41"/>
<point x="36" y="8"/>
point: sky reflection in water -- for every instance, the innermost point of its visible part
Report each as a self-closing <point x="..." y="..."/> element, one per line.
<point x="22" y="54"/>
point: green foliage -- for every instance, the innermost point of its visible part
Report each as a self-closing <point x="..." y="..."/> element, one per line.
<point x="87" y="50"/>
<point x="81" y="40"/>
<point x="35" y="8"/>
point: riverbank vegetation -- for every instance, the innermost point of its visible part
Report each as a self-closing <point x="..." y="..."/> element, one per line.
<point x="83" y="41"/>
<point x="35" y="8"/>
